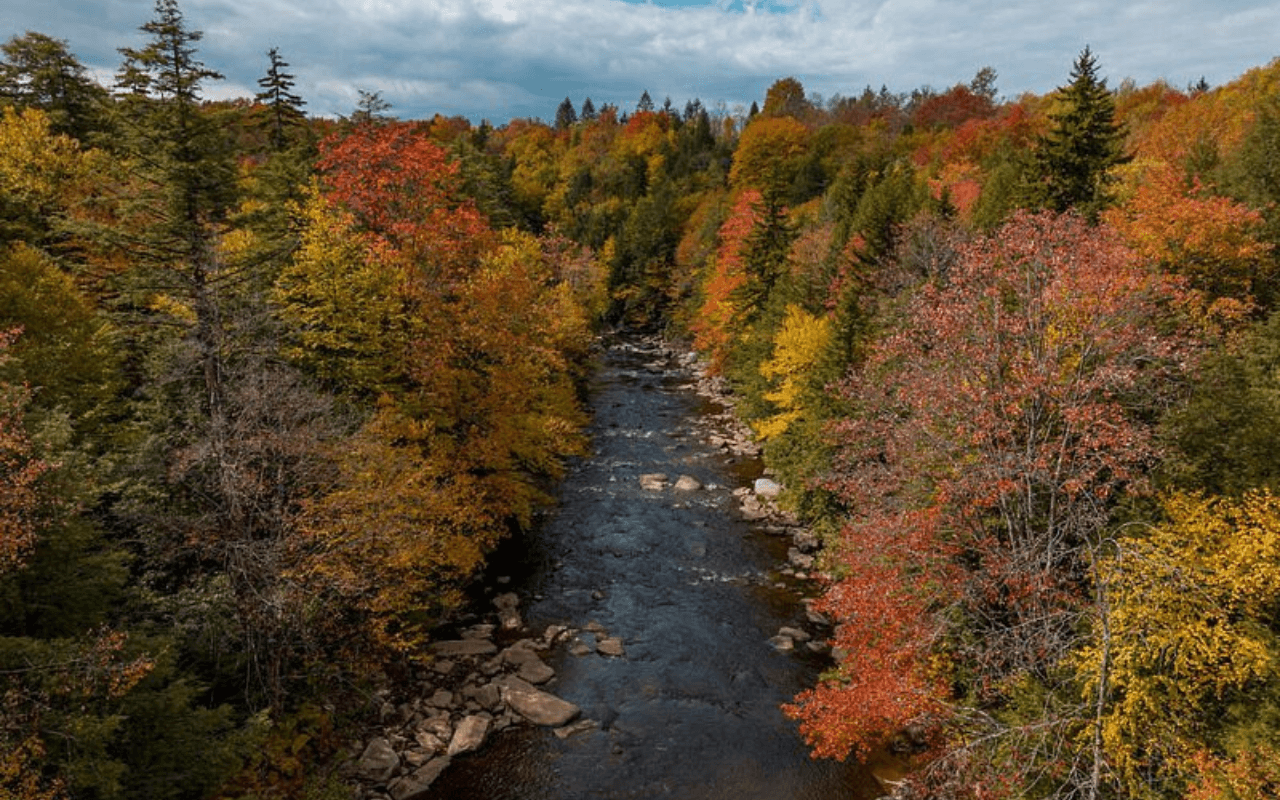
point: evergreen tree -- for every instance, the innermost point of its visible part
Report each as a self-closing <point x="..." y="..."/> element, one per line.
<point x="1252" y="175"/>
<point x="285" y="106"/>
<point x="565" y="115"/>
<point x="184" y="157"/>
<point x="765" y="254"/>
<point x="1075" y="157"/>
<point x="588" y="110"/>
<point x="39" y="72"/>
<point x="646" y="102"/>
<point x="371" y="109"/>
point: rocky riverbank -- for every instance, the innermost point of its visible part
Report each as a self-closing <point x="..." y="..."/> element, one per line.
<point x="497" y="673"/>
<point x="471" y="690"/>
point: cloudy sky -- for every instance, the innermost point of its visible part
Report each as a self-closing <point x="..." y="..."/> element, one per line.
<point x="498" y="59"/>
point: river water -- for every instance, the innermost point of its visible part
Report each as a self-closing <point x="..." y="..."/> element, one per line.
<point x="691" y="711"/>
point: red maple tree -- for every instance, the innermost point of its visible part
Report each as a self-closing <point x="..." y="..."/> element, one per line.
<point x="994" y="430"/>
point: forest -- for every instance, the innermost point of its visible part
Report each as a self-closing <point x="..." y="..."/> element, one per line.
<point x="273" y="386"/>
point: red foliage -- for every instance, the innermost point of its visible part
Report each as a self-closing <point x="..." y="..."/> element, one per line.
<point x="948" y="110"/>
<point x="975" y="139"/>
<point x="992" y="435"/>
<point x="403" y="188"/>
<point x="640" y="121"/>
<point x="713" y="330"/>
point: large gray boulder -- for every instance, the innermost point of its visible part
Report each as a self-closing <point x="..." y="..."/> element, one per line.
<point x="469" y="734"/>
<point x="767" y="488"/>
<point x="378" y="762"/>
<point x="535" y="705"/>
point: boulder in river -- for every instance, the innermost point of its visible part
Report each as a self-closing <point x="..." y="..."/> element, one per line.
<point x="784" y="643"/>
<point x="653" y="481"/>
<point x="687" y="483"/>
<point x="612" y="646"/>
<point x="469" y="734"/>
<point x="769" y="489"/>
<point x="795" y="634"/>
<point x="417" y="784"/>
<point x="535" y="705"/>
<point x="581" y="726"/>
<point x="799" y="559"/>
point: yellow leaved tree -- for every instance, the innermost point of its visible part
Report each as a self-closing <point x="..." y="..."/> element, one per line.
<point x="1186" y="650"/>
<point x="798" y="348"/>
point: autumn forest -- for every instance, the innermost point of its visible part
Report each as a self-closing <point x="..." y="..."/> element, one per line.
<point x="273" y="387"/>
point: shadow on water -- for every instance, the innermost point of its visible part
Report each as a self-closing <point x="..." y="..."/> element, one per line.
<point x="692" y="709"/>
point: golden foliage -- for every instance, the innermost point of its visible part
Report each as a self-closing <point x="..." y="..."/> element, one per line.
<point x="798" y="346"/>
<point x="1186" y="629"/>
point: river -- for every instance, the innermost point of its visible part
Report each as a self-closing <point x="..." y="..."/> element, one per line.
<point x="691" y="711"/>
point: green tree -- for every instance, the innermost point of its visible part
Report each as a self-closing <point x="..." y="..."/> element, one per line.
<point x="214" y="473"/>
<point x="1224" y="436"/>
<point x="185" y="190"/>
<point x="1084" y="141"/>
<point x="646" y="102"/>
<point x="588" y="109"/>
<point x="1252" y="175"/>
<point x="39" y="71"/>
<point x="565" y="115"/>
<point x="277" y="92"/>
<point x="371" y="109"/>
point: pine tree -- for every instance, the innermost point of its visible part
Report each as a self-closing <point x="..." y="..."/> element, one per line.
<point x="182" y="154"/>
<point x="588" y="110"/>
<point x="371" y="109"/>
<point x="285" y="106"/>
<point x="39" y="71"/>
<point x="646" y="102"/>
<point x="1075" y="157"/>
<point x="565" y="115"/>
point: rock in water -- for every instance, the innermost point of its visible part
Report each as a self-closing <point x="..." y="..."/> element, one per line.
<point x="795" y="634"/>
<point x="417" y="785"/>
<point x="610" y="647"/>
<point x="535" y="705"/>
<point x="767" y="488"/>
<point x="469" y="734"/>
<point x="528" y="665"/>
<point x="653" y="482"/>
<point x="687" y="483"/>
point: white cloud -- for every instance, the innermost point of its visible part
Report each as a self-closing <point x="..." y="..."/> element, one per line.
<point x="502" y="58"/>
